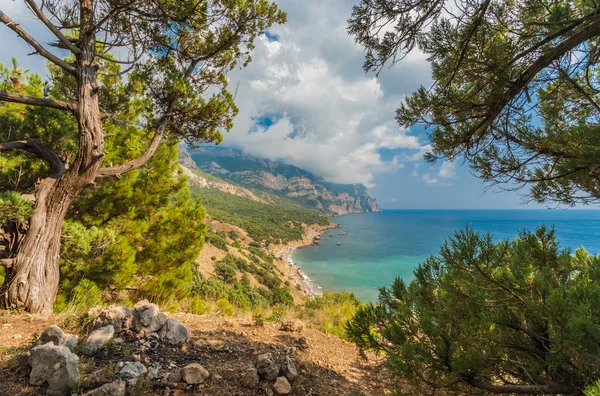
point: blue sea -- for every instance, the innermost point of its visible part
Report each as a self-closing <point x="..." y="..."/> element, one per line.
<point x="381" y="246"/>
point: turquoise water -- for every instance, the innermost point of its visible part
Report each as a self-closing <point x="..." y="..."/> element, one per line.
<point x="381" y="246"/>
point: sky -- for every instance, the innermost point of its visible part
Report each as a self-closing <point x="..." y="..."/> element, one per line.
<point x="306" y="100"/>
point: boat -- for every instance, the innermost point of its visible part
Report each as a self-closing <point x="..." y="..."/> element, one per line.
<point x="343" y="233"/>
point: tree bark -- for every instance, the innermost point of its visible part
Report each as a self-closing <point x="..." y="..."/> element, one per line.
<point x="33" y="276"/>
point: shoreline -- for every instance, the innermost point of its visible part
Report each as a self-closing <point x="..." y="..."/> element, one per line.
<point x="284" y="252"/>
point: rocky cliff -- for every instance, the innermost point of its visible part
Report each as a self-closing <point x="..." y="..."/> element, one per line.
<point x="282" y="179"/>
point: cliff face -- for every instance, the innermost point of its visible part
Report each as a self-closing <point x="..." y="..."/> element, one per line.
<point x="282" y="179"/>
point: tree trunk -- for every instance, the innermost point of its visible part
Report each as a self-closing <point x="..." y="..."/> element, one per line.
<point x="31" y="282"/>
<point x="32" y="279"/>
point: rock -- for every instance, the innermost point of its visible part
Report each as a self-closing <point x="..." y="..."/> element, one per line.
<point x="291" y="326"/>
<point x="288" y="369"/>
<point x="194" y="374"/>
<point x="303" y="343"/>
<point x="131" y="370"/>
<point x="97" y="339"/>
<point x="282" y="386"/>
<point x="175" y="332"/>
<point x="70" y="341"/>
<point x="266" y="367"/>
<point x="118" y="316"/>
<point x="250" y="379"/>
<point x="174" y="376"/>
<point x="118" y="340"/>
<point x="153" y="372"/>
<point x="21" y="362"/>
<point x="52" y="334"/>
<point x="116" y="388"/>
<point x="217" y="377"/>
<point x="55" y="366"/>
<point x="147" y="317"/>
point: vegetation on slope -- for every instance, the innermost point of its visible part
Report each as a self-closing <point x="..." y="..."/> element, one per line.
<point x="272" y="224"/>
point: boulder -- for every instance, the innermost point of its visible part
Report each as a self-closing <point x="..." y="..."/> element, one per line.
<point x="194" y="374"/>
<point x="288" y="369"/>
<point x="282" y="386"/>
<point x="55" y="366"/>
<point x="118" y="316"/>
<point x="147" y="317"/>
<point x="131" y="370"/>
<point x="116" y="388"/>
<point x="250" y="379"/>
<point x="303" y="343"/>
<point x="70" y="341"/>
<point x="266" y="367"/>
<point x="175" y="332"/>
<point x="97" y="339"/>
<point x="174" y="376"/>
<point x="292" y="326"/>
<point x="52" y="334"/>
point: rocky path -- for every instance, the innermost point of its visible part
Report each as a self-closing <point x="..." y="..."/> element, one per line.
<point x="151" y="353"/>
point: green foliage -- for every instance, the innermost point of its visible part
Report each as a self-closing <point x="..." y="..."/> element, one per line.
<point x="262" y="222"/>
<point x="197" y="306"/>
<point x="226" y="272"/>
<point x="225" y="307"/>
<point x="481" y="309"/>
<point x="331" y="311"/>
<point x="13" y="207"/>
<point x="593" y="389"/>
<point x="277" y="315"/>
<point x="217" y="241"/>
<point x="259" y="318"/>
<point x="507" y="95"/>
<point x="83" y="296"/>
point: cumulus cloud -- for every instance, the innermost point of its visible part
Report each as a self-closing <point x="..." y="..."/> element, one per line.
<point x="447" y="170"/>
<point x="429" y="179"/>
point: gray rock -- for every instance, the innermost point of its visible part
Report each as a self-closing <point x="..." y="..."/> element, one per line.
<point x="116" y="388"/>
<point x="52" y="334"/>
<point x="147" y="317"/>
<point x="194" y="374"/>
<point x="175" y="376"/>
<point x="70" y="341"/>
<point x="266" y="367"/>
<point x="282" y="386"/>
<point x="288" y="369"/>
<point x="250" y="379"/>
<point x="303" y="343"/>
<point x="132" y="370"/>
<point x="55" y="366"/>
<point x="175" y="332"/>
<point x="153" y="372"/>
<point x="97" y="339"/>
<point x="118" y="316"/>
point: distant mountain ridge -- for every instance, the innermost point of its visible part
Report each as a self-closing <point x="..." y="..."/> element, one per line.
<point x="281" y="179"/>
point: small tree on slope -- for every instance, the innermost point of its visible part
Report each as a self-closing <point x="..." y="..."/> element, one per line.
<point x="178" y="52"/>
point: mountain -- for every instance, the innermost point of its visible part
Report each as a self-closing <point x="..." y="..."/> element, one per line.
<point x="276" y="177"/>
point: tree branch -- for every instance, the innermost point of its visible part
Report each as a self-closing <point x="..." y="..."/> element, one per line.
<point x="57" y="165"/>
<point x="7" y="263"/>
<point x="66" y="42"/>
<point x="42" y="102"/>
<point x="548" y="388"/>
<point x="12" y="25"/>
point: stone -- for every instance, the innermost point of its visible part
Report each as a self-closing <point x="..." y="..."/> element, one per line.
<point x="288" y="369"/>
<point x="175" y="332"/>
<point x="303" y="343"/>
<point x="153" y="372"/>
<point x="194" y="374"/>
<point x="118" y="316"/>
<point x="52" y="334"/>
<point x="266" y="367"/>
<point x="131" y="370"/>
<point x="147" y="317"/>
<point x="292" y="326"/>
<point x="97" y="339"/>
<point x="55" y="366"/>
<point x="282" y="386"/>
<point x="116" y="388"/>
<point x="250" y="379"/>
<point x="70" y="341"/>
<point x="174" y="376"/>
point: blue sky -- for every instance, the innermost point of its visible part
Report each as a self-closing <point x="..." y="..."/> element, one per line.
<point x="306" y="100"/>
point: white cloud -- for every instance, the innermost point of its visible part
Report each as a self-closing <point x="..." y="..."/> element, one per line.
<point x="447" y="170"/>
<point x="429" y="179"/>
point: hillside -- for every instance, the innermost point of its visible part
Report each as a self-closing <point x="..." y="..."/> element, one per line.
<point x="280" y="179"/>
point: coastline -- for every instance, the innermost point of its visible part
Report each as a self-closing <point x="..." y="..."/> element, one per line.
<point x="284" y="252"/>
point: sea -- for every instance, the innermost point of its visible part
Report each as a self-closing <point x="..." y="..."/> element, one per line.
<point x="378" y="247"/>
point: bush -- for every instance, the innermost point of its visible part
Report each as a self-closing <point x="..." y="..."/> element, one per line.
<point x="225" y="271"/>
<point x="492" y="316"/>
<point x="331" y="311"/>
<point x="198" y="306"/>
<point x="225" y="307"/>
<point x="258" y="318"/>
<point x="216" y="240"/>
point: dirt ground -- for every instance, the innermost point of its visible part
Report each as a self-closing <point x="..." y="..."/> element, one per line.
<point x="225" y="347"/>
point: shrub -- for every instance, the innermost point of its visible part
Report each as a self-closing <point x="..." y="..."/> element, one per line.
<point x="492" y="316"/>
<point x="198" y="306"/>
<point x="225" y="307"/>
<point x="258" y="318"/>
<point x="225" y="271"/>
